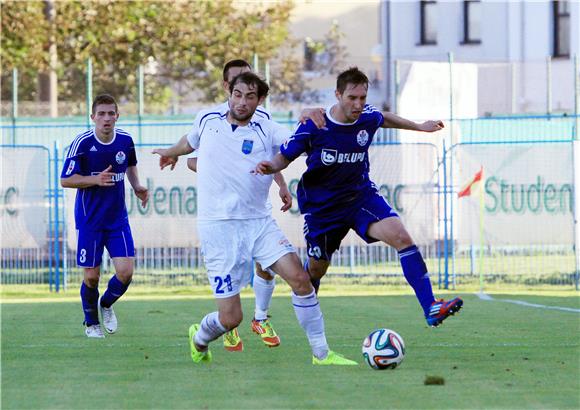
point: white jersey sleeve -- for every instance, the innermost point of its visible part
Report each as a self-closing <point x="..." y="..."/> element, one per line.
<point x="193" y="134"/>
<point x="280" y="134"/>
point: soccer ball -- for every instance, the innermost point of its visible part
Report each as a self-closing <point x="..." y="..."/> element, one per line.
<point x="383" y="349"/>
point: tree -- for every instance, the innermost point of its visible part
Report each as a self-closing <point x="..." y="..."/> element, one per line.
<point x="180" y="41"/>
<point x="329" y="55"/>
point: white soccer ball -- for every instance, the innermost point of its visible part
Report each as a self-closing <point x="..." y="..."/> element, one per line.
<point x="383" y="349"/>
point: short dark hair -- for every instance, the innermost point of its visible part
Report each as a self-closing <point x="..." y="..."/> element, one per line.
<point x="104" y="99"/>
<point x="250" y="78"/>
<point x="234" y="63"/>
<point x="351" y="76"/>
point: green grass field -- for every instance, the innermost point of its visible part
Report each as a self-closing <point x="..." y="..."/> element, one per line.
<point x="492" y="355"/>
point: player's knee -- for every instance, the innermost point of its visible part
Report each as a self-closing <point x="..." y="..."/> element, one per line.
<point x="91" y="277"/>
<point x="125" y="275"/>
<point x="231" y="320"/>
<point x="316" y="271"/>
<point x="404" y="241"/>
<point x="300" y="283"/>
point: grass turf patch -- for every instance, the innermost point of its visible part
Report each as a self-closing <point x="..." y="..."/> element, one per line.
<point x="492" y="355"/>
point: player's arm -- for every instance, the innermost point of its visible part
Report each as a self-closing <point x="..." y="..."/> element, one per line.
<point x="169" y="156"/>
<point x="277" y="164"/>
<point x="391" y="120"/>
<point x="103" y="178"/>
<point x="284" y="192"/>
<point x="141" y="191"/>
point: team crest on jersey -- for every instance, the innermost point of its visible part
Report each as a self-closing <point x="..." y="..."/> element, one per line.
<point x="120" y="157"/>
<point x="328" y="156"/>
<point x="247" y="146"/>
<point x="362" y="138"/>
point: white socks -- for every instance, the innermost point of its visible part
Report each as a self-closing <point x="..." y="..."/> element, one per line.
<point x="263" y="289"/>
<point x="309" y="315"/>
<point x="210" y="329"/>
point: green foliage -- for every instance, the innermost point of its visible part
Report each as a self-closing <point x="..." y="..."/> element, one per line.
<point x="177" y="41"/>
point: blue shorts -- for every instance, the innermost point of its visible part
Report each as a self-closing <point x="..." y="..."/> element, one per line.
<point x="91" y="243"/>
<point x="323" y="233"/>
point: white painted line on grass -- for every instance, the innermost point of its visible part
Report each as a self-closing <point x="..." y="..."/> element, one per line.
<point x="485" y="296"/>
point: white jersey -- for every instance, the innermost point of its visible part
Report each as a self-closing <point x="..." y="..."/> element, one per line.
<point x="227" y="189"/>
<point x="224" y="107"/>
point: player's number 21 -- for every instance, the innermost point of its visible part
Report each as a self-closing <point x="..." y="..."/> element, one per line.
<point x="222" y="283"/>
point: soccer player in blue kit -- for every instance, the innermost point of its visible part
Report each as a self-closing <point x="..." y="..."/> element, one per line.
<point x="96" y="164"/>
<point x="335" y="193"/>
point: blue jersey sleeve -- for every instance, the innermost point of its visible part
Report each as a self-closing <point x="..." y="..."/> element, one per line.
<point x="379" y="116"/>
<point x="299" y="142"/>
<point x="131" y="155"/>
<point x="73" y="163"/>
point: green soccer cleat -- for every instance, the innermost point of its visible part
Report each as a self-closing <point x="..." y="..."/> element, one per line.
<point x="333" y="359"/>
<point x="233" y="341"/>
<point x="196" y="355"/>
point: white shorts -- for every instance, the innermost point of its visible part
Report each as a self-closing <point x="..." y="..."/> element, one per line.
<point x="230" y="246"/>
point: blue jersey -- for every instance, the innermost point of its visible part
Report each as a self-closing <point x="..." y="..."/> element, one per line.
<point x="338" y="161"/>
<point x="100" y="207"/>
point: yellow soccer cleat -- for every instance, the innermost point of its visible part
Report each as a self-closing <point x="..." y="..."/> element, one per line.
<point x="266" y="331"/>
<point x="333" y="359"/>
<point x="196" y="355"/>
<point x="233" y="341"/>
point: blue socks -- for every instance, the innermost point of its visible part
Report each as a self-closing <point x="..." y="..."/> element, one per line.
<point x="115" y="290"/>
<point x="415" y="272"/>
<point x="90" y="298"/>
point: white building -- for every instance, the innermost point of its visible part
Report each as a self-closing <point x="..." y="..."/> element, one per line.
<point x="534" y="43"/>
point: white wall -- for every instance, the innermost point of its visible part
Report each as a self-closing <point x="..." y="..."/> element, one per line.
<point x="511" y="31"/>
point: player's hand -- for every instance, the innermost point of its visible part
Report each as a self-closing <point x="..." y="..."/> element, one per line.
<point x="143" y="194"/>
<point x="314" y="114"/>
<point x="105" y="177"/>
<point x="164" y="160"/>
<point x="286" y="198"/>
<point x="431" y="126"/>
<point x="264" y="168"/>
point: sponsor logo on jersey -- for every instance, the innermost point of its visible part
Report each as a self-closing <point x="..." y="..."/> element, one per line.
<point x="328" y="156"/>
<point x="93" y="149"/>
<point x="71" y="166"/>
<point x="362" y="138"/>
<point x="247" y="146"/>
<point x="351" y="157"/>
<point x="120" y="157"/>
<point x="120" y="176"/>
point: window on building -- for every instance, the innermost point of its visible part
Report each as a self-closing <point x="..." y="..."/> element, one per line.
<point x="428" y="19"/>
<point x="561" y="28"/>
<point x="471" y="22"/>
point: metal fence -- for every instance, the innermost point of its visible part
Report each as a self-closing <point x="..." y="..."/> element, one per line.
<point x="457" y="255"/>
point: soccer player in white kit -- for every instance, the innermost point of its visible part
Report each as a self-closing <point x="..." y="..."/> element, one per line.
<point x="263" y="283"/>
<point x="234" y="218"/>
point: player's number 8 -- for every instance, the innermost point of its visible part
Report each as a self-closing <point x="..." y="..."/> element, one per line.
<point x="83" y="257"/>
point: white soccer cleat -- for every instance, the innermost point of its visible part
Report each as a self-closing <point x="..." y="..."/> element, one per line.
<point x="109" y="318"/>
<point x="94" y="331"/>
